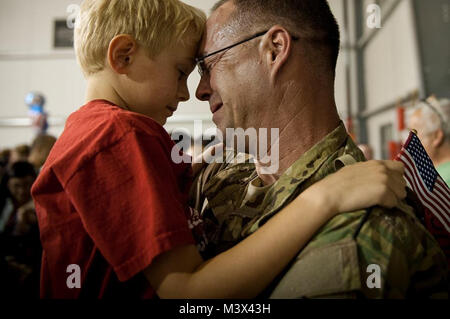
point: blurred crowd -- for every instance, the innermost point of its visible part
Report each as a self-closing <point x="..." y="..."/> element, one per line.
<point x="20" y="247"/>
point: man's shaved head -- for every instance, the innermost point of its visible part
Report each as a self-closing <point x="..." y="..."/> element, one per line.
<point x="311" y="20"/>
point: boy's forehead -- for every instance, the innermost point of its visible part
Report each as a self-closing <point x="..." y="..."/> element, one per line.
<point x="189" y="60"/>
<point x="185" y="50"/>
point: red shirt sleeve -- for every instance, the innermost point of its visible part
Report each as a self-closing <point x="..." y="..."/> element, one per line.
<point x="130" y="204"/>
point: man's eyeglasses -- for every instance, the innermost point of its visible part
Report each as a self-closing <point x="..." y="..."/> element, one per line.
<point x="203" y="69"/>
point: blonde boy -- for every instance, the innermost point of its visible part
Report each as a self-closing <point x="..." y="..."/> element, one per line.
<point x="111" y="204"/>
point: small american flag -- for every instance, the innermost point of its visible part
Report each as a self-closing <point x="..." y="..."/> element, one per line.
<point x="430" y="188"/>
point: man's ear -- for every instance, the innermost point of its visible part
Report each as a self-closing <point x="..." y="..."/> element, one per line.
<point x="276" y="48"/>
<point x="121" y="52"/>
<point x="438" y="138"/>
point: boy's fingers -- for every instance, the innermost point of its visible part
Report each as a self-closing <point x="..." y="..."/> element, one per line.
<point x="395" y="166"/>
<point x="398" y="185"/>
<point x="397" y="181"/>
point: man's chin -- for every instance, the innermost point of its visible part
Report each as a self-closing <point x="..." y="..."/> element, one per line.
<point x="221" y="129"/>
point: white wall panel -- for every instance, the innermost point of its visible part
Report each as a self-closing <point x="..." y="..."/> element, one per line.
<point x="391" y="60"/>
<point x="374" y="130"/>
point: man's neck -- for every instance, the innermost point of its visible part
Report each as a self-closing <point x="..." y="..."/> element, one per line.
<point x="308" y="126"/>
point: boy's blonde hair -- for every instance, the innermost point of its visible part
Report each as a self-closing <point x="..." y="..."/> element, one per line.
<point x="155" y="24"/>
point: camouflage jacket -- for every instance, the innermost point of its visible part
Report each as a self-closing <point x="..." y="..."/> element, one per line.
<point x="373" y="253"/>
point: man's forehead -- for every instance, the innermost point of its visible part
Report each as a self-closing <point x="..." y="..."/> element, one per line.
<point x="216" y="30"/>
<point x="222" y="14"/>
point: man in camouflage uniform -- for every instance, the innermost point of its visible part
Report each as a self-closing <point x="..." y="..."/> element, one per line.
<point x="373" y="253"/>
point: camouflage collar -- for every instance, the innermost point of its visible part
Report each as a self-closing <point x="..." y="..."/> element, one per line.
<point x="287" y="186"/>
<point x="310" y="161"/>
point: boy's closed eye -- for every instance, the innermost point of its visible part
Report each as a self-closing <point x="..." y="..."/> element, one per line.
<point x="185" y="71"/>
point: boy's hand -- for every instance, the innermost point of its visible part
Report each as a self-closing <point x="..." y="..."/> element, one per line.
<point x="361" y="185"/>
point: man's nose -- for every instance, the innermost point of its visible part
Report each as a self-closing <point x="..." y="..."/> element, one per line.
<point x="204" y="90"/>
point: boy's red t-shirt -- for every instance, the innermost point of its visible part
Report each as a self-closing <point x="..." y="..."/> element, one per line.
<point x="109" y="199"/>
